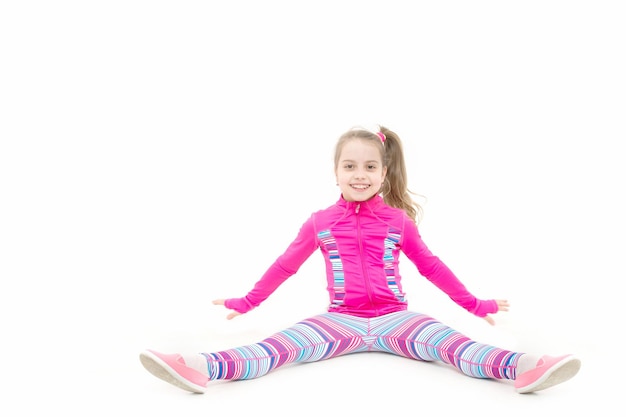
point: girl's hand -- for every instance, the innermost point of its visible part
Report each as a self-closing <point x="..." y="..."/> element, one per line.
<point x="232" y="314"/>
<point x="503" y="305"/>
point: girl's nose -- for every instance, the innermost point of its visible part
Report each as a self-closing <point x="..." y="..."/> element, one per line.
<point x="359" y="173"/>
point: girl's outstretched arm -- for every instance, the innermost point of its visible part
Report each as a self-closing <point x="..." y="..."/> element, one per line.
<point x="283" y="267"/>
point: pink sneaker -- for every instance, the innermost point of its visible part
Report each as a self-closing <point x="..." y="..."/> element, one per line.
<point x="171" y="368"/>
<point x="550" y="370"/>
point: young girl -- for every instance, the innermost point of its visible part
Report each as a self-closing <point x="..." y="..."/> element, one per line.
<point x="361" y="237"/>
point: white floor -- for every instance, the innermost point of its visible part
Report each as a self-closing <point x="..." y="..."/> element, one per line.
<point x="87" y="363"/>
<point x="157" y="155"/>
<point x="108" y="379"/>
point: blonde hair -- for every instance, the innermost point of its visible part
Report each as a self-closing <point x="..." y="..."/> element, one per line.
<point x="394" y="191"/>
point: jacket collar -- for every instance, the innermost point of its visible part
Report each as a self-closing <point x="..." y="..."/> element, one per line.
<point x="372" y="204"/>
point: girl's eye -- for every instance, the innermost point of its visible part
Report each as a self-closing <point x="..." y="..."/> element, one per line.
<point x="348" y="166"/>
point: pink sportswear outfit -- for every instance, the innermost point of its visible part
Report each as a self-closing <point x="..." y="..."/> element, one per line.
<point x="361" y="243"/>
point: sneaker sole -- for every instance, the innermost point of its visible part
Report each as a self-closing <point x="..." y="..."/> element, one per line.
<point x="563" y="371"/>
<point x="162" y="370"/>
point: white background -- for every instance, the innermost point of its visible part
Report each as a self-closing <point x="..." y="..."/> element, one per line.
<point x="156" y="155"/>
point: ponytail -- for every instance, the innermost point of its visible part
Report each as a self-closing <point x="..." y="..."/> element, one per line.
<point x="395" y="189"/>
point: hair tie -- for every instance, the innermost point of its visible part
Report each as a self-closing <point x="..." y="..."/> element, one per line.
<point x="382" y="136"/>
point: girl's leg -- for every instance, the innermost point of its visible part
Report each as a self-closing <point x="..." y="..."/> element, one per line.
<point x="314" y="339"/>
<point x="421" y="337"/>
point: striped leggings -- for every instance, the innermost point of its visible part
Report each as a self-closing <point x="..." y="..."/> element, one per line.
<point x="328" y="335"/>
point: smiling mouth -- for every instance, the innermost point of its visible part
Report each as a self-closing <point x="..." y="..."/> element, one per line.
<point x="360" y="186"/>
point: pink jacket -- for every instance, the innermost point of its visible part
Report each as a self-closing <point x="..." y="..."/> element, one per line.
<point x="361" y="244"/>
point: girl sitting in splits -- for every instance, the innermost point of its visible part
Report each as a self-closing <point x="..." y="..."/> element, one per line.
<point x="361" y="237"/>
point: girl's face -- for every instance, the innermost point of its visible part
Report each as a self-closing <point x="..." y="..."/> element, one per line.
<point x="360" y="172"/>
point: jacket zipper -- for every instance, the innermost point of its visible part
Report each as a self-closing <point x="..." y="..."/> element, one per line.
<point x="368" y="287"/>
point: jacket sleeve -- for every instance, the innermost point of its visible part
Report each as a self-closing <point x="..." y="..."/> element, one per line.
<point x="283" y="267"/>
<point x="431" y="267"/>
